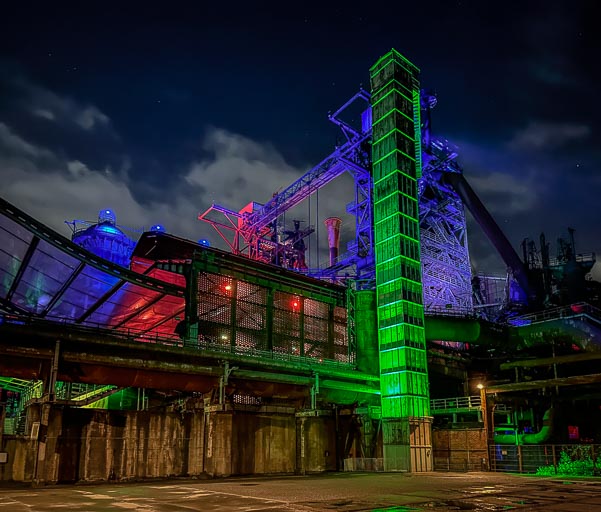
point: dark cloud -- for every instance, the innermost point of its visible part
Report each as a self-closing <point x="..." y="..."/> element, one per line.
<point x="547" y="136"/>
<point x="122" y="100"/>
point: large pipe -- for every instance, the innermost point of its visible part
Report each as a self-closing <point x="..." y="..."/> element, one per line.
<point x="492" y="230"/>
<point x="537" y="438"/>
<point x="333" y="226"/>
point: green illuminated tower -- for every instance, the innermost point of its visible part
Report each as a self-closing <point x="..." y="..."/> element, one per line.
<point x="402" y="345"/>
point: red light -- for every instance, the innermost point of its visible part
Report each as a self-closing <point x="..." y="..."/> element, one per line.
<point x="228" y="287"/>
<point x="295" y="304"/>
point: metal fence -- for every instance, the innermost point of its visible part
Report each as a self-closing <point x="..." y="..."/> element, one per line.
<point x="547" y="459"/>
<point x="459" y="449"/>
<point x="364" y="464"/>
<point x="440" y="405"/>
<point x="458" y="402"/>
<point x="461" y="461"/>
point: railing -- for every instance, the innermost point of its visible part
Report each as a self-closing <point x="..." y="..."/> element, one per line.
<point x="217" y="348"/>
<point x="452" y="311"/>
<point x="10" y="426"/>
<point x="577" y="309"/>
<point x="31" y="392"/>
<point x="547" y="459"/>
<point x="463" y="402"/>
<point x="80" y="392"/>
<point x="460" y="460"/>
<point x="459" y="402"/>
<point x="207" y="346"/>
<point x="586" y="257"/>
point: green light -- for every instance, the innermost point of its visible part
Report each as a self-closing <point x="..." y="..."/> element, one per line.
<point x="401" y="335"/>
<point x="394" y="130"/>
<point x="390" y="153"/>
<point x="400" y="93"/>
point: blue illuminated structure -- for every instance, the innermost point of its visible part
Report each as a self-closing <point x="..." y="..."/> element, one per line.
<point x="445" y="257"/>
<point x="105" y="239"/>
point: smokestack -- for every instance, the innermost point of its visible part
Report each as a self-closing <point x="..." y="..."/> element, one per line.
<point x="333" y="226"/>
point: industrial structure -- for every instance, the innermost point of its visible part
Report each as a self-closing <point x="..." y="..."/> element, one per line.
<point x="164" y="356"/>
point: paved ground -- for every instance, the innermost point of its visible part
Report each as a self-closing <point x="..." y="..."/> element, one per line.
<point x="342" y="492"/>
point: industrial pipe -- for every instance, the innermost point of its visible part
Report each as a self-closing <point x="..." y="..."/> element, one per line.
<point x="537" y="438"/>
<point x="333" y="226"/>
<point x="491" y="229"/>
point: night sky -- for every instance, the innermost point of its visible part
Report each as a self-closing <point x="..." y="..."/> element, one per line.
<point x="158" y="112"/>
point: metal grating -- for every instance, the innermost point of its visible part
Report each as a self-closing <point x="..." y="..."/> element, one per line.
<point x="250" y="317"/>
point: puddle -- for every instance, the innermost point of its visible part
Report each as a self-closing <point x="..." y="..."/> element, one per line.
<point x="395" y="509"/>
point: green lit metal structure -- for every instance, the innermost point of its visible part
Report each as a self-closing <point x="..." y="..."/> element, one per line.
<point x="396" y="167"/>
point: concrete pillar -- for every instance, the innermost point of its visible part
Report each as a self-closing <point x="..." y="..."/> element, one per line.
<point x="396" y="449"/>
<point x="218" y="441"/>
<point x="316" y="441"/>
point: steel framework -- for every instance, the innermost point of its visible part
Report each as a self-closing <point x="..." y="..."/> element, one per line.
<point x="251" y="231"/>
<point x="445" y="257"/>
<point x="446" y="264"/>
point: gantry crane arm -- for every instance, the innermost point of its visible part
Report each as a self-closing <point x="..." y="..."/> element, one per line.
<point x="324" y="172"/>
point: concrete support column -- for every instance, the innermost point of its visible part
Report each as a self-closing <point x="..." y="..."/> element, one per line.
<point x="407" y="444"/>
<point x="218" y="441"/>
<point x="396" y="448"/>
<point x="316" y="441"/>
<point x="301" y="445"/>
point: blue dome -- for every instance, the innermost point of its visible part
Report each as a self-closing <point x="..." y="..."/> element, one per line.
<point x="107" y="241"/>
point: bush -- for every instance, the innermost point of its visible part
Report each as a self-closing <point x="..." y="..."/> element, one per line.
<point x="566" y="466"/>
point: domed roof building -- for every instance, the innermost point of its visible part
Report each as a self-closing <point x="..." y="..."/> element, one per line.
<point x="106" y="240"/>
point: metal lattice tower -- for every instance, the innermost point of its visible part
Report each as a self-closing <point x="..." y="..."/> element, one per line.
<point x="445" y="262"/>
<point x="446" y="267"/>
<point x="248" y="231"/>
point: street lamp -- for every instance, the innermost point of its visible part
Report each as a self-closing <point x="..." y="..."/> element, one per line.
<point x="484" y="409"/>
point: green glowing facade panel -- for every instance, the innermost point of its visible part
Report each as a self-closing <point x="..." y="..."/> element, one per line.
<point x="396" y="168"/>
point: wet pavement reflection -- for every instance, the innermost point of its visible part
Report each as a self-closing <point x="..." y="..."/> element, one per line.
<point x="342" y="492"/>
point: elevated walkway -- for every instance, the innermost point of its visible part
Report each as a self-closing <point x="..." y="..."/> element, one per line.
<point x="580" y="320"/>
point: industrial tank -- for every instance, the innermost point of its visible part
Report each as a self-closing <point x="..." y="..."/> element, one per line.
<point x="105" y="239"/>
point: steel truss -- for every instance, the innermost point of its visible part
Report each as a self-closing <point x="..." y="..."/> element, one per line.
<point x="444" y="250"/>
<point x="250" y="231"/>
<point x="446" y="268"/>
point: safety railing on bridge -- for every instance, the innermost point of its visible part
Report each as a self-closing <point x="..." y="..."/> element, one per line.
<point x="578" y="309"/>
<point x="458" y="402"/>
<point x="440" y="405"/>
<point x="450" y="311"/>
<point x="208" y="346"/>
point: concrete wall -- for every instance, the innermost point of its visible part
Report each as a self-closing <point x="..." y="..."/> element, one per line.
<point x="21" y="459"/>
<point x="316" y="444"/>
<point x="98" y="445"/>
<point x="264" y="443"/>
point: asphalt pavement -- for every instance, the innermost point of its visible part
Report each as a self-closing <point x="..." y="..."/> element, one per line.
<point x="342" y="492"/>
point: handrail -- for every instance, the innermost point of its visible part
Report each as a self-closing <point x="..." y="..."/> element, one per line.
<point x="458" y="402"/>
<point x="576" y="309"/>
<point x="207" y="346"/>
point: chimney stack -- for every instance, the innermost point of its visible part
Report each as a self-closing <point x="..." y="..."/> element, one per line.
<point x="333" y="226"/>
